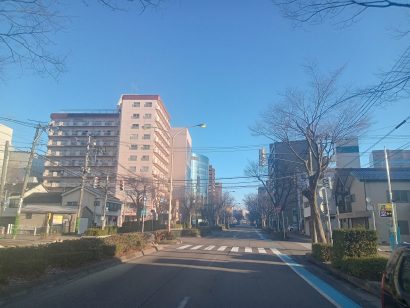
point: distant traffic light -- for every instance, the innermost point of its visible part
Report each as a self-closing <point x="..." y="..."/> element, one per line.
<point x="122" y="185"/>
<point x="96" y="183"/>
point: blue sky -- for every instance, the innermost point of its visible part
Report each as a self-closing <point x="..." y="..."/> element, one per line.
<point x="219" y="62"/>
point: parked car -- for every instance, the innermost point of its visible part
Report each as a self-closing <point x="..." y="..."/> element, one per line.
<point x="293" y="227"/>
<point x="395" y="285"/>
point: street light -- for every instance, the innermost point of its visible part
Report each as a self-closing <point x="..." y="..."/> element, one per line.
<point x="371" y="208"/>
<point x="172" y="136"/>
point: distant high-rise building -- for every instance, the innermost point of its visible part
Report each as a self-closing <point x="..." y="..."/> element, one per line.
<point x="347" y="153"/>
<point x="17" y="166"/>
<point x="182" y="151"/>
<point x="397" y="158"/>
<point x="200" y="176"/>
<point x="211" y="183"/>
<point x="6" y="134"/>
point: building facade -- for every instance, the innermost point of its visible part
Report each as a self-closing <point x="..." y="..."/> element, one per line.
<point x="347" y="153"/>
<point x="397" y="159"/>
<point x="6" y="134"/>
<point x="68" y="138"/>
<point x="200" y="177"/>
<point x="17" y="166"/>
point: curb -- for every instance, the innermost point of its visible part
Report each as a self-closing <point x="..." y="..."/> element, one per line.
<point x="371" y="287"/>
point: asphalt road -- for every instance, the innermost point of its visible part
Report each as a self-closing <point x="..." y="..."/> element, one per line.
<point x="235" y="268"/>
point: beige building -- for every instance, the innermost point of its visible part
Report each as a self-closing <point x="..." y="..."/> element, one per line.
<point x="6" y="134"/>
<point x="17" y="166"/>
<point x="144" y="145"/>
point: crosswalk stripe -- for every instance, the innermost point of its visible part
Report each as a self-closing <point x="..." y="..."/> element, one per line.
<point x="184" y="247"/>
<point x="261" y="250"/>
<point x="196" y="247"/>
<point x="210" y="247"/>
<point x="235" y="249"/>
<point x="248" y="249"/>
<point x="222" y="248"/>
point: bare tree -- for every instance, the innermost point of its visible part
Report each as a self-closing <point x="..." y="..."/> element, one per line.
<point x="322" y="116"/>
<point x="252" y="205"/>
<point x="393" y="83"/>
<point x="188" y="209"/>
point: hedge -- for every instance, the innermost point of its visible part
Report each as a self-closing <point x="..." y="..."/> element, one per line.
<point x="135" y="226"/>
<point x="370" y="268"/>
<point x="353" y="243"/>
<point x="321" y="252"/>
<point x="28" y="262"/>
<point x="99" y="232"/>
<point x="204" y="231"/>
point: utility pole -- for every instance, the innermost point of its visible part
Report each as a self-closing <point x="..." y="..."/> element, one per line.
<point x="3" y="176"/>
<point x="36" y="139"/>
<point x="105" y="203"/>
<point x="393" y="208"/>
<point x="83" y="180"/>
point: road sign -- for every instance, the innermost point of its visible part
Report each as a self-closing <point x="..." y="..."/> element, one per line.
<point x="385" y="210"/>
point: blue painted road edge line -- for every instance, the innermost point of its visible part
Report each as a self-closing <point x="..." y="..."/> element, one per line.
<point x="326" y="290"/>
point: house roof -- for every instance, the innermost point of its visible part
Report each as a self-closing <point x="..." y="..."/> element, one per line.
<point x="380" y="174"/>
<point x="98" y="192"/>
<point x="43" y="198"/>
<point x="14" y="189"/>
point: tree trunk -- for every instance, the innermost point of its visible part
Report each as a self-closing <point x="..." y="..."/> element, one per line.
<point x="315" y="213"/>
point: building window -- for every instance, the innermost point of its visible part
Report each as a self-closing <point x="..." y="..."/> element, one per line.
<point x="400" y="196"/>
<point x="134" y="147"/>
<point x="72" y="203"/>
<point x="132" y="169"/>
<point x="133" y="136"/>
<point x="107" y="133"/>
<point x="136" y="104"/>
<point x="147" y="116"/>
<point x="146" y="147"/>
<point x="144" y="169"/>
<point x="133" y="158"/>
<point x="29" y="215"/>
<point x="146" y="137"/>
<point x="148" y="104"/>
<point x="135" y="126"/>
<point x="145" y="157"/>
<point x="136" y="116"/>
<point x="96" y="203"/>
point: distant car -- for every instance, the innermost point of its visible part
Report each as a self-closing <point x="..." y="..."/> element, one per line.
<point x="292" y="227"/>
<point x="395" y="285"/>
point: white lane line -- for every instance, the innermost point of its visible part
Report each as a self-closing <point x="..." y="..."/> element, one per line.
<point x="332" y="295"/>
<point x="196" y="247"/>
<point x="222" y="248"/>
<point x="306" y="245"/>
<point x="248" y="249"/>
<point x="184" y="247"/>
<point x="210" y="247"/>
<point x="261" y="250"/>
<point x="183" y="303"/>
<point x="235" y="249"/>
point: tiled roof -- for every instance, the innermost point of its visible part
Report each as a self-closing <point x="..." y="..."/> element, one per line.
<point x="43" y="198"/>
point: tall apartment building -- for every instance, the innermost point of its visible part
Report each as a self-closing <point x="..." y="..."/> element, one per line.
<point x="200" y="176"/>
<point x="67" y="144"/>
<point x="182" y="151"/>
<point x="144" y="143"/>
<point x="6" y="134"/>
<point x="211" y="183"/>
<point x="347" y="153"/>
<point x="397" y="159"/>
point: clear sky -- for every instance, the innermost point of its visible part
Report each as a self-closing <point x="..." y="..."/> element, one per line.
<point x="219" y="62"/>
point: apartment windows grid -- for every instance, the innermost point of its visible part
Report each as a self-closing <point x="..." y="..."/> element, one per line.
<point x="145" y="158"/>
<point x="146" y="137"/>
<point x="132" y="158"/>
<point x="144" y="169"/>
<point x="135" y="126"/>
<point x="132" y="169"/>
<point x="134" y="137"/>
<point x="148" y="104"/>
<point x="134" y="147"/>
<point x="146" y="146"/>
<point x="136" y="104"/>
<point x="136" y="116"/>
<point x="148" y="116"/>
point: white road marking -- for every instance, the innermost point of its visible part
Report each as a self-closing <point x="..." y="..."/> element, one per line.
<point x="248" y="249"/>
<point x="210" y="247"/>
<point x="306" y="245"/>
<point x="184" y="247"/>
<point x="261" y="250"/>
<point x="196" y="247"/>
<point x="235" y="249"/>
<point x="183" y="303"/>
<point x="222" y="248"/>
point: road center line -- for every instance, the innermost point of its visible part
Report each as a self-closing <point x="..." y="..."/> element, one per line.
<point x="326" y="290"/>
<point x="183" y="303"/>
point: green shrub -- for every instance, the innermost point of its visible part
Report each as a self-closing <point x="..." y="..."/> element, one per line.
<point x="135" y="226"/>
<point x="165" y="235"/>
<point x="190" y="233"/>
<point x="204" y="231"/>
<point x="99" y="232"/>
<point x="370" y="268"/>
<point x="353" y="243"/>
<point x="321" y="252"/>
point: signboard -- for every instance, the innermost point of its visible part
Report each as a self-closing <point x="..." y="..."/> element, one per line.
<point x="57" y="219"/>
<point x="385" y="210"/>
